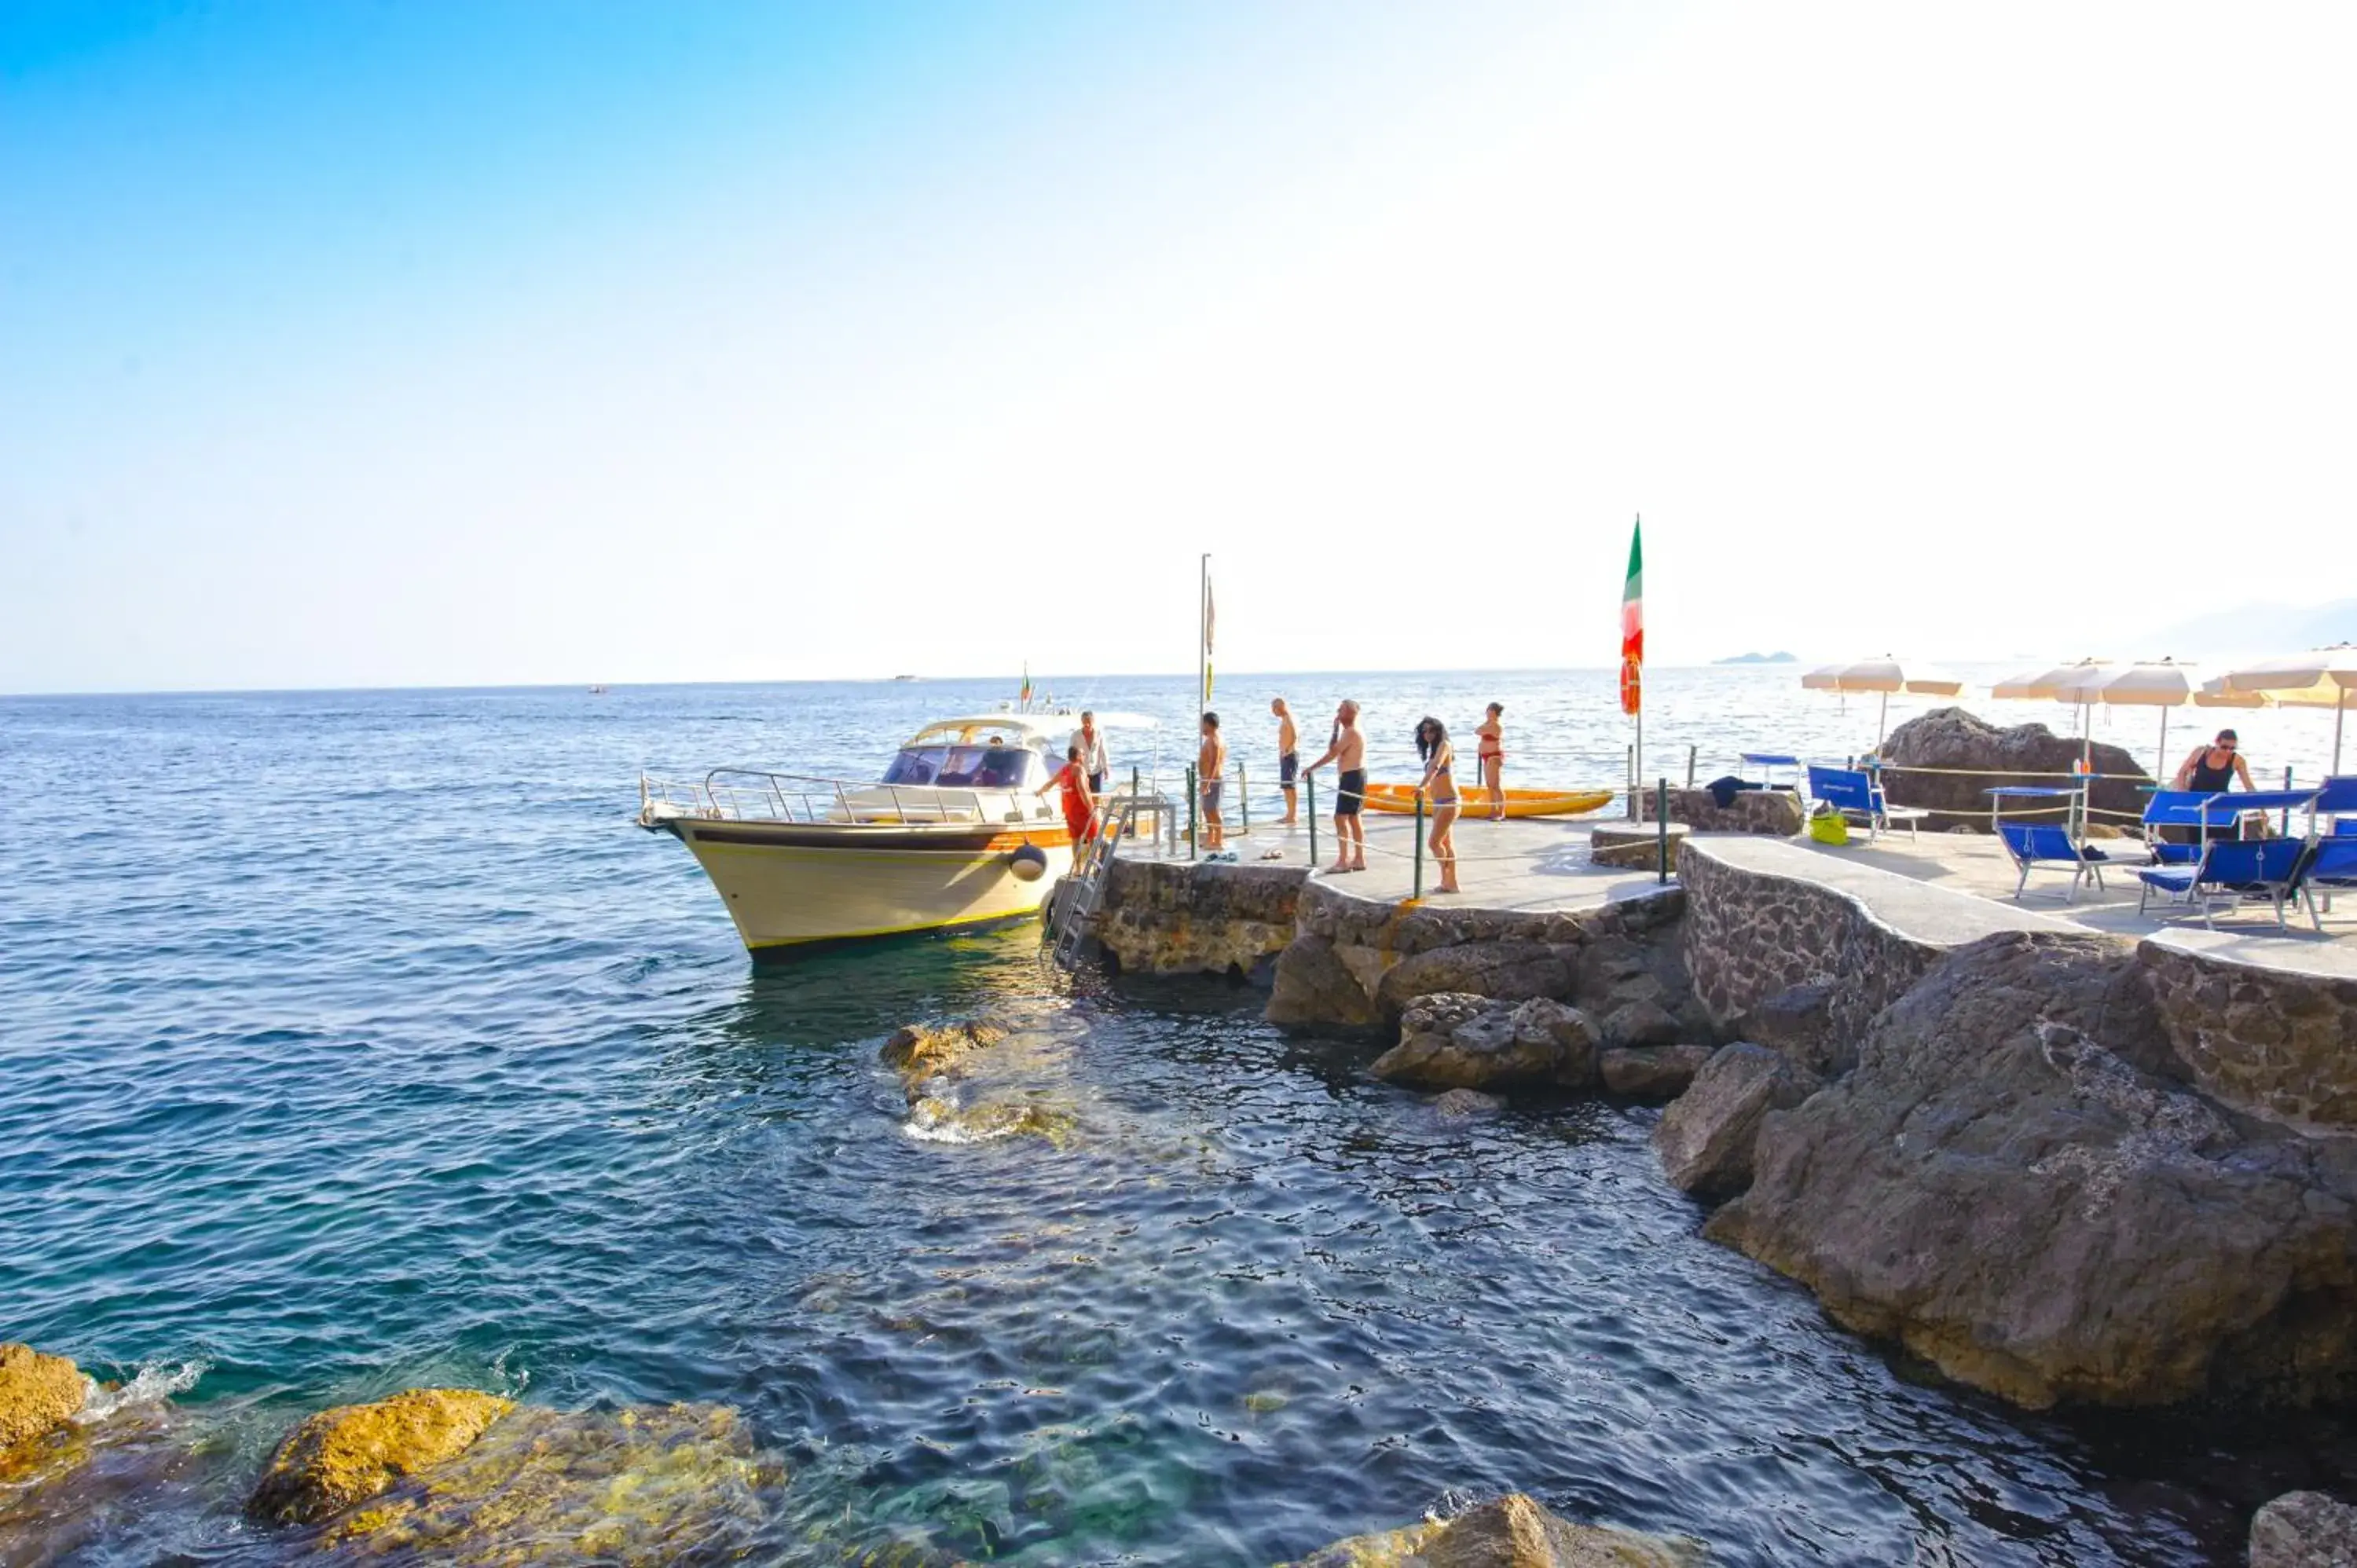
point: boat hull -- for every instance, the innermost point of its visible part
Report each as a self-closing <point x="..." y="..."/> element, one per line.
<point x="1475" y="801"/>
<point x="792" y="885"/>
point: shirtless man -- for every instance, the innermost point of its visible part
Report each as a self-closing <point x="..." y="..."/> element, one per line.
<point x="1211" y="762"/>
<point x="1349" y="754"/>
<point x="1289" y="761"/>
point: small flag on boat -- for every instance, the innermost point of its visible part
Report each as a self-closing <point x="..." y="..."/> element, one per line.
<point x="1027" y="682"/>
<point x="1633" y="624"/>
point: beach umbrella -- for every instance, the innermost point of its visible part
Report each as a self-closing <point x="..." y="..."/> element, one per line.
<point x="2215" y="694"/>
<point x="2160" y="683"/>
<point x="1882" y="676"/>
<point x="2320" y="678"/>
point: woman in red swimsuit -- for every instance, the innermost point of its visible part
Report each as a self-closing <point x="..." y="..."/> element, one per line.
<point x="1080" y="805"/>
<point x="1492" y="757"/>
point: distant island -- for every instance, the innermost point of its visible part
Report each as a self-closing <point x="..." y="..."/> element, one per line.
<point x="1777" y="658"/>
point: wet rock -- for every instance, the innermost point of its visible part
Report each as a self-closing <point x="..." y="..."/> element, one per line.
<point x="943" y="1114"/>
<point x="1453" y="1040"/>
<point x="1999" y="1187"/>
<point x="1465" y="1104"/>
<point x="1502" y="971"/>
<point x="1172" y="918"/>
<point x="1706" y="1137"/>
<point x="919" y="1050"/>
<point x="1314" y="988"/>
<point x="2304" y="1529"/>
<point x="37" y="1393"/>
<point x="1515" y="1531"/>
<point x="1987" y="756"/>
<point x="349" y="1454"/>
<point x="86" y="1486"/>
<point x="643" y="1485"/>
<point x="1652" y="1072"/>
<point x="1635" y="1024"/>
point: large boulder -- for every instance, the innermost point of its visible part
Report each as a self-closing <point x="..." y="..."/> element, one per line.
<point x="1315" y="989"/>
<point x="37" y="1393"/>
<point x="1455" y="1040"/>
<point x="1504" y="972"/>
<point x="1999" y="1187"/>
<point x="1983" y="755"/>
<point x="1706" y="1137"/>
<point x="2304" y="1529"/>
<point x="1651" y="1073"/>
<point x="354" y="1452"/>
<point x="1515" y="1531"/>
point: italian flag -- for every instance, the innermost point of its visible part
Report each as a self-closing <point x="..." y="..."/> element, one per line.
<point x="1633" y="624"/>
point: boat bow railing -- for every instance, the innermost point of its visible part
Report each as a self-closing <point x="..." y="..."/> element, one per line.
<point x="755" y="795"/>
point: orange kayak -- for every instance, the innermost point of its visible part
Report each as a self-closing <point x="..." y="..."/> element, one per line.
<point x="1475" y="803"/>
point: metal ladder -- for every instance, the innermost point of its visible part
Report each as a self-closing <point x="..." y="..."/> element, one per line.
<point x="1074" y="903"/>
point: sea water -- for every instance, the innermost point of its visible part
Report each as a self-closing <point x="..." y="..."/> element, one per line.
<point x="357" y="1041"/>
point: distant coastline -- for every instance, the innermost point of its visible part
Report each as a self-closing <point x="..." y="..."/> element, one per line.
<point x="1779" y="657"/>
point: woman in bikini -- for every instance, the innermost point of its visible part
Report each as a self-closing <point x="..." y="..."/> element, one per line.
<point x="1492" y="757"/>
<point x="1439" y="786"/>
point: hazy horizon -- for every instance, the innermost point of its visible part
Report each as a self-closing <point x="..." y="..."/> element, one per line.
<point x="399" y="347"/>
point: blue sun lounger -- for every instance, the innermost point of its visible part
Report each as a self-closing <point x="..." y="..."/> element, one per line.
<point x="2232" y="870"/>
<point x="1853" y="793"/>
<point x="2181" y="809"/>
<point x="2035" y="845"/>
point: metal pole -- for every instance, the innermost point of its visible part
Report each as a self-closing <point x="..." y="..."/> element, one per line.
<point x="1133" y="799"/>
<point x="1662" y="826"/>
<point x="1419" y="844"/>
<point x="1309" y="783"/>
<point x="1203" y="638"/>
<point x="2285" y="828"/>
<point x="1191" y="798"/>
<point x="1243" y="800"/>
<point x="1690" y="764"/>
<point x="1628" y="782"/>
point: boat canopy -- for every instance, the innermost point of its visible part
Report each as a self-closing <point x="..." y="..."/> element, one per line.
<point x="1011" y="729"/>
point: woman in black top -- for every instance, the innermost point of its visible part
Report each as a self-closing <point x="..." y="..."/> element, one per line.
<point x="2213" y="768"/>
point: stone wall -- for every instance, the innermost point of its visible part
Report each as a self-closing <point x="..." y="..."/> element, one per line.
<point x="1753" y="937"/>
<point x="1177" y="918"/>
<point x="1776" y="811"/>
<point x="1357" y="963"/>
<point x="2265" y="1040"/>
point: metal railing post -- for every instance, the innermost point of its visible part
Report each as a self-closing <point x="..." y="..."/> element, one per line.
<point x="1309" y="782"/>
<point x="1133" y="799"/>
<point x="1690" y="764"/>
<point x="1244" y="801"/>
<point x="1662" y="827"/>
<point x="1419" y="844"/>
<point x="2283" y="829"/>
<point x="1629" y="775"/>
<point x="1191" y="800"/>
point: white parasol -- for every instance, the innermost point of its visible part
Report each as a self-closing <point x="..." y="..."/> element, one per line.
<point x="2320" y="678"/>
<point x="1883" y="676"/>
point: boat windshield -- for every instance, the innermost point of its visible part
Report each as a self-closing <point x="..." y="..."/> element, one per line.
<point x="959" y="767"/>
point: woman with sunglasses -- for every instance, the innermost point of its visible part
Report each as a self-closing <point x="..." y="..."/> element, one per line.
<point x="2213" y="768"/>
<point x="1439" y="786"/>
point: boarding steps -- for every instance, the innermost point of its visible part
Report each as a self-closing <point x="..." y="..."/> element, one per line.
<point x="1072" y="907"/>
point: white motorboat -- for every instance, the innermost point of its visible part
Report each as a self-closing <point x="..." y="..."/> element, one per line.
<point x="953" y="836"/>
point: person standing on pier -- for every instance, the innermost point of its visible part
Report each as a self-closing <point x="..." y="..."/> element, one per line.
<point x="1095" y="762"/>
<point x="1080" y="802"/>
<point x="1492" y="757"/>
<point x="1348" y="751"/>
<point x="1210" y="763"/>
<point x="1439" y="786"/>
<point x="1289" y="761"/>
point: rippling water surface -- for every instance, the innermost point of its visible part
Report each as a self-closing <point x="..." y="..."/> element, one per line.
<point x="355" y="1041"/>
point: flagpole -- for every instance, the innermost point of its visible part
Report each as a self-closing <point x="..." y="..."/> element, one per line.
<point x="1204" y="637"/>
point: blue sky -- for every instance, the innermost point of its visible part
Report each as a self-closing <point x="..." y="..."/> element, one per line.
<point x="405" y="343"/>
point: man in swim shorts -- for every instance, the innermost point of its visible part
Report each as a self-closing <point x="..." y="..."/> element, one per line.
<point x="1209" y="763"/>
<point x="1349" y="754"/>
<point x="1289" y="761"/>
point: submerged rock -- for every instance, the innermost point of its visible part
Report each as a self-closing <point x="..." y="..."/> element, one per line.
<point x="354" y="1452"/>
<point x="1515" y="1531"/>
<point x="1464" y="1104"/>
<point x="2304" y="1529"/>
<point x="644" y="1484"/>
<point x="942" y="1116"/>
<point x="37" y="1393"/>
<point x="917" y="1051"/>
<point x="2000" y="1187"/>
<point x="1705" y="1138"/>
<point x="1652" y="1072"/>
<point x="1454" y="1040"/>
